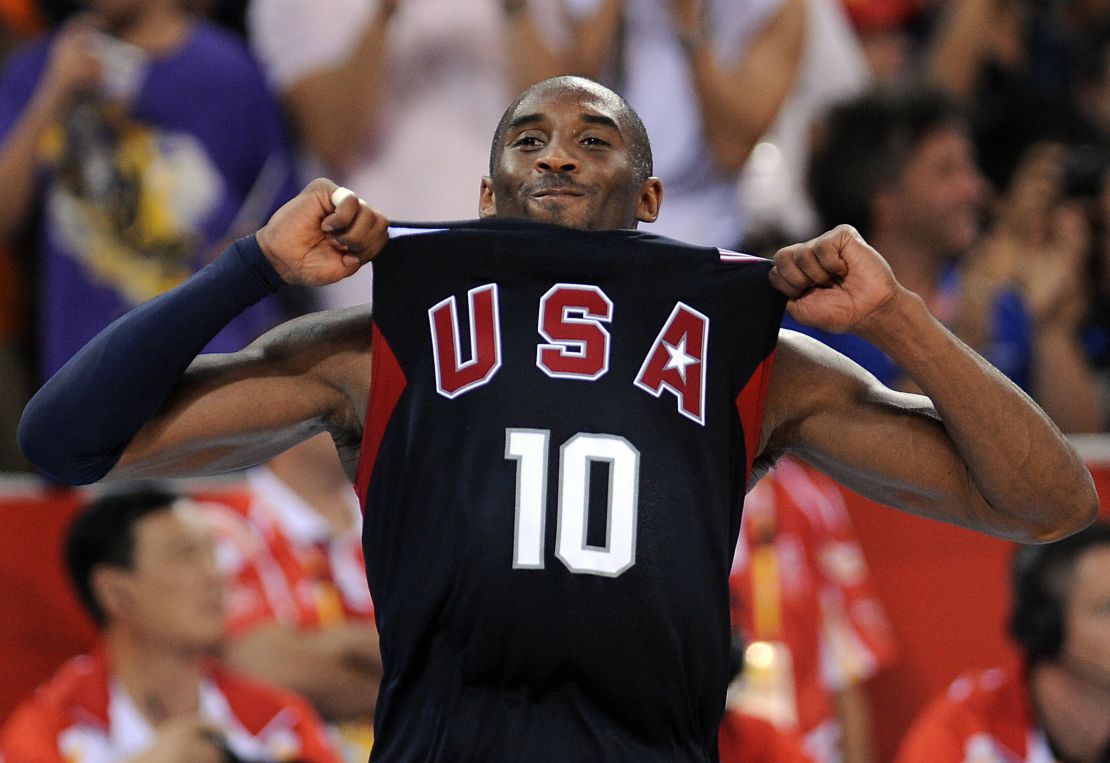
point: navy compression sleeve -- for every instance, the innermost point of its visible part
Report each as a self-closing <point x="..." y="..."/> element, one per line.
<point x="76" y="426"/>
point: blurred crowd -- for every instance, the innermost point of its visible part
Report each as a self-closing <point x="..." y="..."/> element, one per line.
<point x="967" y="140"/>
<point x="138" y="138"/>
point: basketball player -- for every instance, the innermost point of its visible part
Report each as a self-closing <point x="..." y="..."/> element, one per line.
<point x="557" y="430"/>
<point x="1055" y="703"/>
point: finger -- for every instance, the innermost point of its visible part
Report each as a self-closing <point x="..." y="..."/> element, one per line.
<point x="345" y="207"/>
<point x="786" y="276"/>
<point x="809" y="260"/>
<point x="371" y="243"/>
<point x="365" y="230"/>
<point x="829" y="251"/>
<point x="339" y="195"/>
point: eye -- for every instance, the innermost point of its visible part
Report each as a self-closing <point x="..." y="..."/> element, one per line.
<point x="593" y="140"/>
<point x="527" y="140"/>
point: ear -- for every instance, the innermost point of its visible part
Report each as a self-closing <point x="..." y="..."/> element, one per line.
<point x="487" y="201"/>
<point x="651" y="198"/>
<point x="112" y="589"/>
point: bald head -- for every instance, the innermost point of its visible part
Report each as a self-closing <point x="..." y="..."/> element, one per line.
<point x="628" y="121"/>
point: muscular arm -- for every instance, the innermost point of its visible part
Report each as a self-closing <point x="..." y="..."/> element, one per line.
<point x="233" y="411"/>
<point x="136" y="401"/>
<point x="973" y="451"/>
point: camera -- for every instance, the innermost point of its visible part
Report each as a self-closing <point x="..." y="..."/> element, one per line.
<point x="1084" y="170"/>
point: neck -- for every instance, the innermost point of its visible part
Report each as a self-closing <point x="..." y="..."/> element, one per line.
<point x="915" y="266"/>
<point x="1074" y="712"/>
<point x="158" y="28"/>
<point x="162" y="682"/>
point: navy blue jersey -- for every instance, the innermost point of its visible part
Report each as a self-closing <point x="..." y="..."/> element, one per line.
<point x="560" y="431"/>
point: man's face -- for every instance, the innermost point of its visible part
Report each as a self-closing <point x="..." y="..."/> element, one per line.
<point x="174" y="595"/>
<point x="1086" y="647"/>
<point x="937" y="200"/>
<point x="565" y="159"/>
<point x="117" y="13"/>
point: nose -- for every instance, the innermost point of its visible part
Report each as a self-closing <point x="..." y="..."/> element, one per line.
<point x="556" y="157"/>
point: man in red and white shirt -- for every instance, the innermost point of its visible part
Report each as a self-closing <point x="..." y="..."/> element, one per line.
<point x="301" y="615"/>
<point x="803" y="599"/>
<point x="142" y="563"/>
<point x="1054" y="703"/>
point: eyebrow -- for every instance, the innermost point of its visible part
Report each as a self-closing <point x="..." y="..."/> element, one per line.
<point x="601" y="119"/>
<point x="597" y="119"/>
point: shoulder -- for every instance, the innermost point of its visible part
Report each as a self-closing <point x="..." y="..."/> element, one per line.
<point x="215" y="40"/>
<point x="985" y="711"/>
<point x="313" y="337"/>
<point x="78" y="691"/>
<point x="21" y="74"/>
<point x="814" y="385"/>
<point x="214" y="49"/>
<point x="988" y="704"/>
<point x="257" y="705"/>
<point x="809" y="376"/>
<point x="332" y="347"/>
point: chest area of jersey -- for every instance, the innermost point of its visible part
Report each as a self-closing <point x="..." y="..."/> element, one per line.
<point x="573" y="333"/>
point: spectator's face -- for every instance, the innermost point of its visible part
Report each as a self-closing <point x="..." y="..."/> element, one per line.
<point x="174" y="595"/>
<point x="116" y="12"/>
<point x="937" y="200"/>
<point x="1087" y="619"/>
<point x="566" y="160"/>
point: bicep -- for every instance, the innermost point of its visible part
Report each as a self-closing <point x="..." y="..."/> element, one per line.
<point x="886" y="445"/>
<point x="237" y="410"/>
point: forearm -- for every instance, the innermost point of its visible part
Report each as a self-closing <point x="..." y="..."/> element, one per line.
<point x="335" y="124"/>
<point x="77" y="426"/>
<point x="738" y="105"/>
<point x="531" y="57"/>
<point x="20" y="161"/>
<point x="595" y="37"/>
<point x="1063" y="383"/>
<point x="341" y="681"/>
<point x="854" y="712"/>
<point x="1033" y="485"/>
<point x="959" y="45"/>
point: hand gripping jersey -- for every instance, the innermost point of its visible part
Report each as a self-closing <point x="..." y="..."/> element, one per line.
<point x="560" y="430"/>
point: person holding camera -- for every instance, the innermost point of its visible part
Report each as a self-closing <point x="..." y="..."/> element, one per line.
<point x="120" y="160"/>
<point x="142" y="563"/>
<point x="1054" y="704"/>
<point x="899" y="165"/>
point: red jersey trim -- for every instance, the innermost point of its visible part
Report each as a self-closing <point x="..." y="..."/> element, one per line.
<point x="749" y="405"/>
<point x="387" y="382"/>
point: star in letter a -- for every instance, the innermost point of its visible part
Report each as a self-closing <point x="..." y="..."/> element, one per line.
<point x="679" y="358"/>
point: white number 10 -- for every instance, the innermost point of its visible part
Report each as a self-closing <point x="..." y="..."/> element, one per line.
<point x="529" y="448"/>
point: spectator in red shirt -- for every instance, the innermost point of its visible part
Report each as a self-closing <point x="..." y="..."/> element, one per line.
<point x="142" y="563"/>
<point x="802" y="593"/>
<point x="1054" y="705"/>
